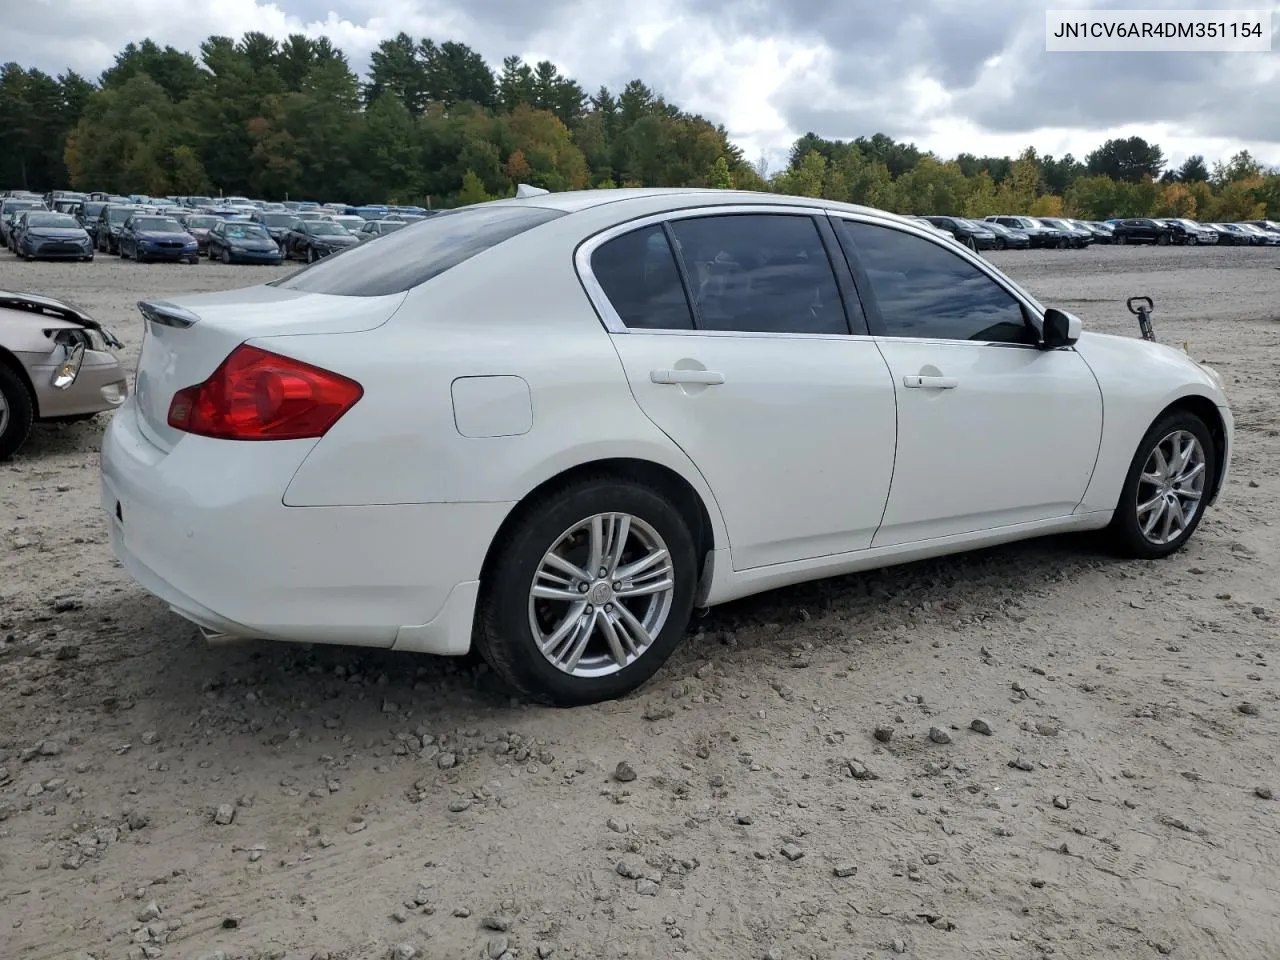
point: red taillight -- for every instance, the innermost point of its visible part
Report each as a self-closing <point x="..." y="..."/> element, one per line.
<point x="258" y="395"/>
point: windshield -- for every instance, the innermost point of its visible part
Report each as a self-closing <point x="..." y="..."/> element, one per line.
<point x="201" y="223"/>
<point x="51" y="220"/>
<point x="325" y="228"/>
<point x="388" y="226"/>
<point x="157" y="225"/>
<point x="12" y="206"/>
<point x="118" y="216"/>
<point x="244" y="231"/>
<point x="277" y="219"/>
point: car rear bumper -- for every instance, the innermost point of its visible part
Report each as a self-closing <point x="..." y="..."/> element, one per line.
<point x="204" y="528"/>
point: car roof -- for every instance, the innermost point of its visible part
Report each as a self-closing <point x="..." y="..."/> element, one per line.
<point x="629" y="202"/>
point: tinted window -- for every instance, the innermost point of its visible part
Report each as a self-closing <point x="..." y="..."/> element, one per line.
<point x="276" y="219"/>
<point x="759" y="273"/>
<point x="409" y="257"/>
<point x="638" y="273"/>
<point x="926" y="291"/>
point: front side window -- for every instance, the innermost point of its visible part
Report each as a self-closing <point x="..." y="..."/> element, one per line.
<point x="925" y="291"/>
<point x="759" y="273"/>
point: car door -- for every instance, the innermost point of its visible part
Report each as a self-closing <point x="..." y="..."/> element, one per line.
<point x="731" y="326"/>
<point x="992" y="430"/>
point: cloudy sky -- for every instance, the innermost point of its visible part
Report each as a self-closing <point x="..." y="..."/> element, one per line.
<point x="950" y="75"/>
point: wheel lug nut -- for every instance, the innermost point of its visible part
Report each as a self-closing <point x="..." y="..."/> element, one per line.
<point x="590" y="609"/>
<point x="582" y="588"/>
<point x="603" y="572"/>
<point x="608" y="608"/>
<point x="617" y="586"/>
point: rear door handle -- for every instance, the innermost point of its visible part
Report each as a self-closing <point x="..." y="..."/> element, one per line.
<point x="707" y="377"/>
<point x="931" y="383"/>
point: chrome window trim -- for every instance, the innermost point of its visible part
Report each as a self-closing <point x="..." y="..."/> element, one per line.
<point x="614" y="325"/>
<point x="958" y="249"/>
<point x="609" y="317"/>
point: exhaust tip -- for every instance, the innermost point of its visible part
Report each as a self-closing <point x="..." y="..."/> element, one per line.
<point x="215" y="639"/>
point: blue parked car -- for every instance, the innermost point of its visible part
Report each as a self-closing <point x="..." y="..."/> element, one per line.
<point x="243" y="241"/>
<point x="148" y="237"/>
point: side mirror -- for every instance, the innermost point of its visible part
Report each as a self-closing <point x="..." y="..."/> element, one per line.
<point x="1061" y="329"/>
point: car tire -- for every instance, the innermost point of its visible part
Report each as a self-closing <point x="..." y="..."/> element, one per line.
<point x="226" y="255"/>
<point x="1127" y="526"/>
<point x="971" y="243"/>
<point x="1122" y="240"/>
<point x="1163" y="240"/>
<point x="610" y="666"/>
<point x="16" y="413"/>
<point x="311" y="255"/>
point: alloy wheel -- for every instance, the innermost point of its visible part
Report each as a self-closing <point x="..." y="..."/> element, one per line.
<point x="1171" y="487"/>
<point x="601" y="595"/>
<point x="4" y="413"/>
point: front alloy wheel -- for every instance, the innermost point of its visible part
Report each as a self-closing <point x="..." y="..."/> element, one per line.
<point x="1171" y="487"/>
<point x="589" y="593"/>
<point x="1171" y="476"/>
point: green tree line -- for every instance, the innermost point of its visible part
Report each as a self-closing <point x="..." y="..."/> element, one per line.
<point x="433" y="123"/>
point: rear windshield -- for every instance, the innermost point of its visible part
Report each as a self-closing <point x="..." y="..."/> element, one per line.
<point x="276" y="219"/>
<point x="325" y="228"/>
<point x="412" y="256"/>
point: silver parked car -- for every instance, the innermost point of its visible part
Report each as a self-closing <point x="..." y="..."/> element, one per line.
<point x="56" y="366"/>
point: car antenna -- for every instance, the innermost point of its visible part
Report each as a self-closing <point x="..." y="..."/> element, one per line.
<point x="524" y="190"/>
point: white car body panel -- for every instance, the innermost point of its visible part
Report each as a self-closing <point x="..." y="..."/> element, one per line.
<point x="1013" y="441"/>
<point x="1139" y="380"/>
<point x="377" y="533"/>
<point x="825" y="437"/>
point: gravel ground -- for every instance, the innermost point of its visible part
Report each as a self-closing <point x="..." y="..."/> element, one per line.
<point x="1076" y="759"/>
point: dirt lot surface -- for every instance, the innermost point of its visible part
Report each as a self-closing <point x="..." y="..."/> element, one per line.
<point x="162" y="798"/>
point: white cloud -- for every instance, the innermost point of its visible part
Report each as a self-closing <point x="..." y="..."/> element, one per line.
<point x="969" y="77"/>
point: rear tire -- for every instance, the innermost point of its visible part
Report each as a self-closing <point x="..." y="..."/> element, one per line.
<point x="506" y="613"/>
<point x="1163" y="240"/>
<point x="16" y="412"/>
<point x="1126" y="529"/>
<point x="226" y="254"/>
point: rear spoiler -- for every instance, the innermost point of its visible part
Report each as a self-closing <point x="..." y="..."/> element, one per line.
<point x="167" y="314"/>
<point x="47" y="306"/>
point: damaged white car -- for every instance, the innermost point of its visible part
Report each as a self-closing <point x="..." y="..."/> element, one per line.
<point x="56" y="366"/>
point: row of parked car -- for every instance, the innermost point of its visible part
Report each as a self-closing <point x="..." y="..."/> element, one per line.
<point x="63" y="225"/>
<point x="1003" y="232"/>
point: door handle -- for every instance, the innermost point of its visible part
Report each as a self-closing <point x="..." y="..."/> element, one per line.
<point x="931" y="383"/>
<point x="707" y="377"/>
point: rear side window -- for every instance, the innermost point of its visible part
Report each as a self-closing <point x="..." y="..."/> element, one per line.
<point x="638" y="273"/>
<point x="410" y="257"/>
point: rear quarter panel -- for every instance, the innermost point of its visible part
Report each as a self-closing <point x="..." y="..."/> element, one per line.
<point x="517" y="310"/>
<point x="1139" y="380"/>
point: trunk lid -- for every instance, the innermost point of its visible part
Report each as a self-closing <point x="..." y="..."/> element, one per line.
<point x="186" y="338"/>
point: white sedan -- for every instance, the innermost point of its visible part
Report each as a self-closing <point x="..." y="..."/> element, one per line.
<point x="553" y="426"/>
